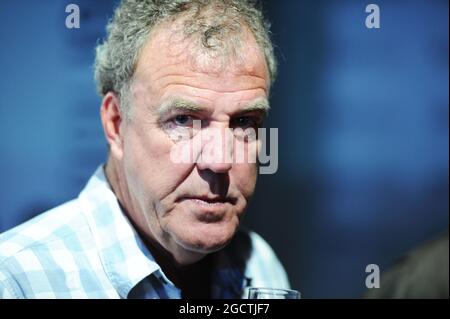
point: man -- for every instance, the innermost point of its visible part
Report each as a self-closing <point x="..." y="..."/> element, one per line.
<point x="146" y="225"/>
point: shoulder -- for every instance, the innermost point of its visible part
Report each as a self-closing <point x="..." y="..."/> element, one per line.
<point x="53" y="225"/>
<point x="38" y="245"/>
<point x="422" y="273"/>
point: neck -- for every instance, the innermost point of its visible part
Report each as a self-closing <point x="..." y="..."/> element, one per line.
<point x="194" y="279"/>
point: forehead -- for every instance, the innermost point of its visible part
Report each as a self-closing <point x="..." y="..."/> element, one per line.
<point x="170" y="61"/>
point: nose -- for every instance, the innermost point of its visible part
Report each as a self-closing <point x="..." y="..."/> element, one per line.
<point x="216" y="150"/>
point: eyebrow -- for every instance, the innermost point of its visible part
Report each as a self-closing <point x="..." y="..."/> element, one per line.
<point x="179" y="104"/>
<point x="261" y="105"/>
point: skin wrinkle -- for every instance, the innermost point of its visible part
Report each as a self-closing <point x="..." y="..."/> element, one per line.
<point x="194" y="69"/>
<point x="212" y="90"/>
<point x="168" y="70"/>
<point x="176" y="76"/>
<point x="169" y="76"/>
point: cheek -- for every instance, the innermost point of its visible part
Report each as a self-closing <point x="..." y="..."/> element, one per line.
<point x="245" y="176"/>
<point x="148" y="166"/>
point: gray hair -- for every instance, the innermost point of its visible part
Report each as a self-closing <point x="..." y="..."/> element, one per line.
<point x="214" y="22"/>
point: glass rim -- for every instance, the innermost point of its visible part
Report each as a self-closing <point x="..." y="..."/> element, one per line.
<point x="273" y="291"/>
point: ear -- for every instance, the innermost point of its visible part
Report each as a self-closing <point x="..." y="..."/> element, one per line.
<point x="111" y="118"/>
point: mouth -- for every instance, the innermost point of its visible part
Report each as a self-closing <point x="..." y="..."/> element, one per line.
<point x="208" y="209"/>
<point x="211" y="209"/>
<point x="208" y="201"/>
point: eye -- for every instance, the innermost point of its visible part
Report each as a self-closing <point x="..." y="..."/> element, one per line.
<point x="245" y="122"/>
<point x="183" y="120"/>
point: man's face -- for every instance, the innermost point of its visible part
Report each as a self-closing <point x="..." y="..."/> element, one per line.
<point x="190" y="208"/>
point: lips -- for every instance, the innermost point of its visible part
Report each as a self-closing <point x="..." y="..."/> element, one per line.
<point x="208" y="208"/>
<point x="208" y="200"/>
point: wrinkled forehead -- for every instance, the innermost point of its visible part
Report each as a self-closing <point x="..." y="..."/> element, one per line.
<point x="231" y="55"/>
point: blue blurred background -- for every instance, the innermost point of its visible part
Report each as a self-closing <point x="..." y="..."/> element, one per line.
<point x="362" y="117"/>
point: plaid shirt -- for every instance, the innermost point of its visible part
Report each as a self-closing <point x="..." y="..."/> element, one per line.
<point x="87" y="248"/>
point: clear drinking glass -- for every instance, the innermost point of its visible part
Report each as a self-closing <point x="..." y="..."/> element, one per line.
<point x="272" y="293"/>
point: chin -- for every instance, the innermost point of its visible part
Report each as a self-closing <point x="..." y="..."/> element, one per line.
<point x="207" y="238"/>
